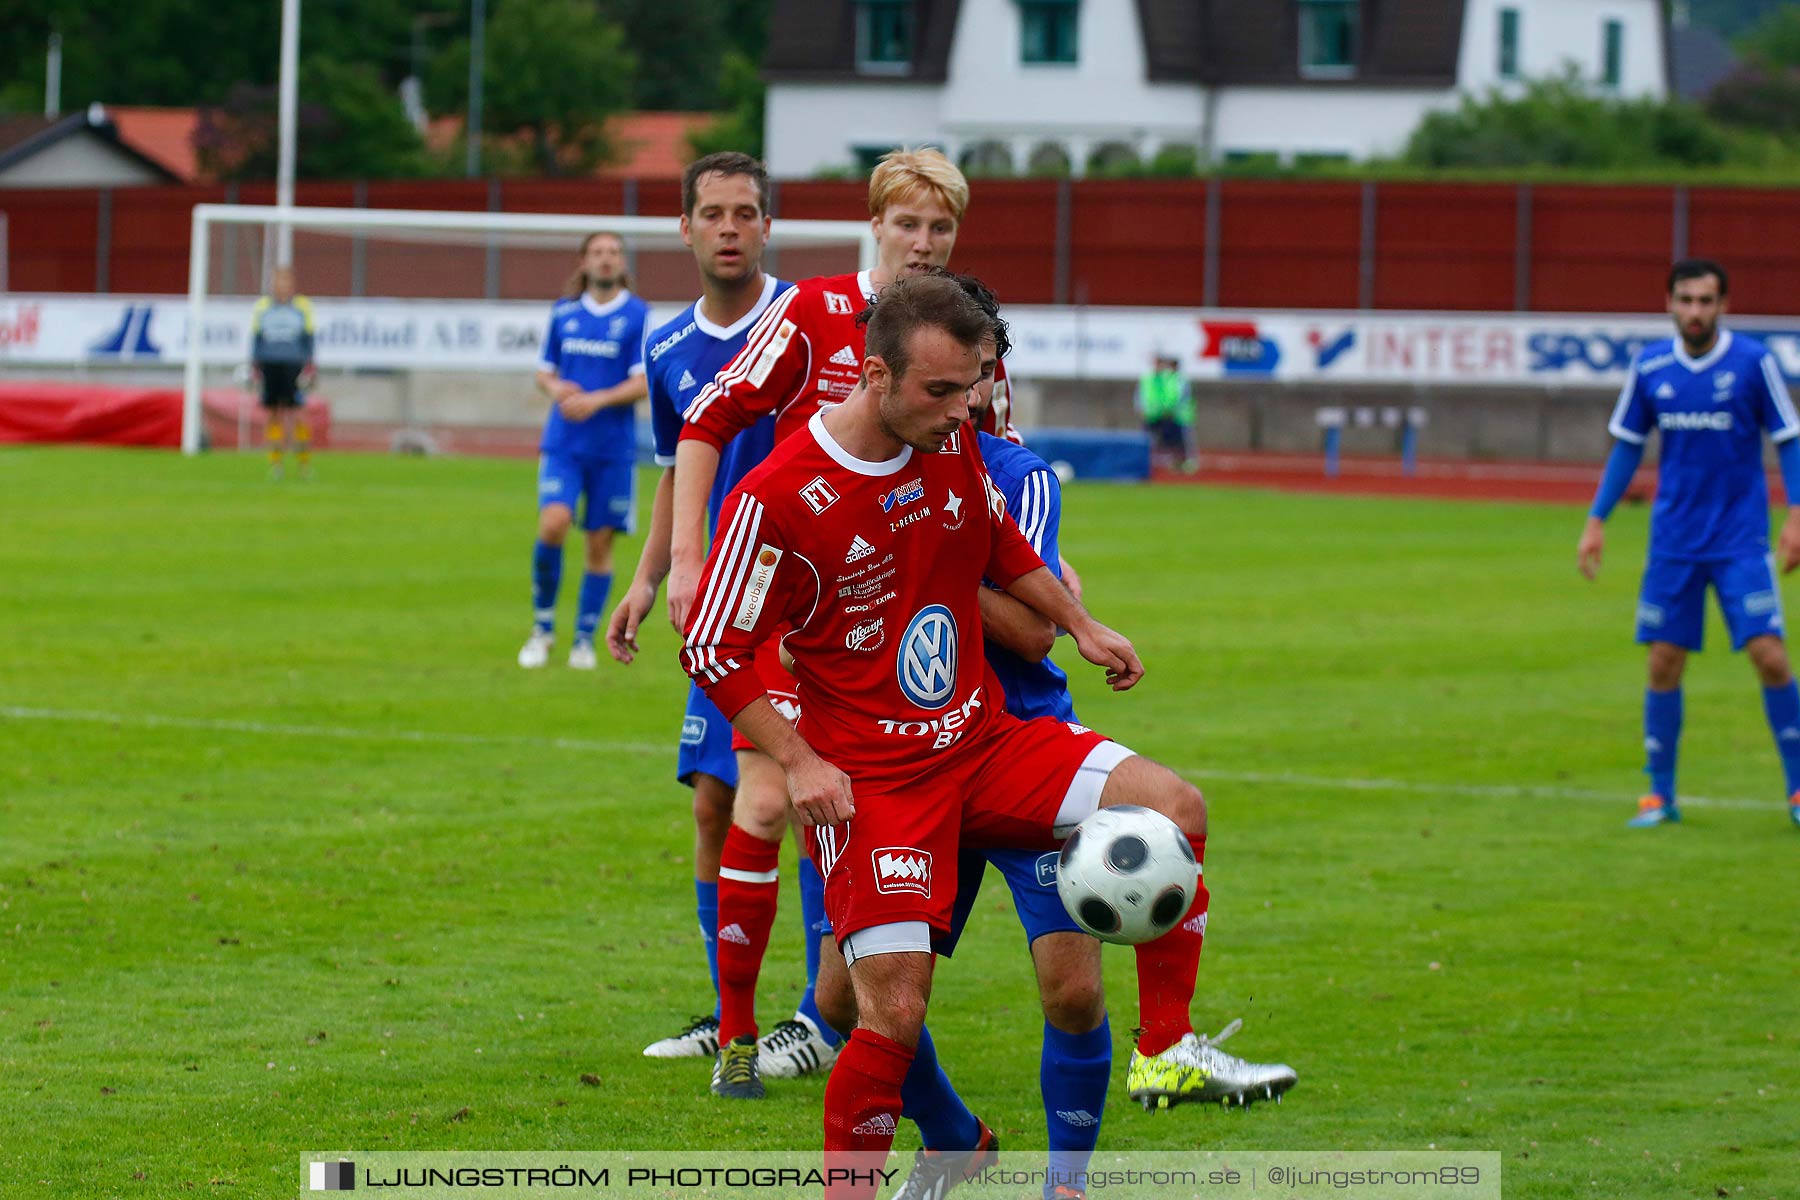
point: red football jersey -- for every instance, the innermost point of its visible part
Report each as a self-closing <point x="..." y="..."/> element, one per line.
<point x="876" y="567"/>
<point x="804" y="351"/>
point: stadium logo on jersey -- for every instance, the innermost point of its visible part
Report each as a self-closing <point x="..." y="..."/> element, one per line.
<point x="845" y="357"/>
<point x="661" y="347"/>
<point x="1717" y="422"/>
<point x="867" y="636"/>
<point x="1046" y="868"/>
<point x="858" y="549"/>
<point x="687" y="381"/>
<point x="902" y="869"/>
<point x="927" y="660"/>
<point x="693" y="730"/>
<point x="837" y="302"/>
<point x="819" y="497"/>
<point x="1665" y="390"/>
<point x="757" y="590"/>
<point x="953" y="511"/>
<point x="906" y="493"/>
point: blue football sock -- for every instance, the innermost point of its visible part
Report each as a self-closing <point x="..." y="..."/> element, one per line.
<point x="1073" y="1076"/>
<point x="706" y="903"/>
<point x="593" y="601"/>
<point x="812" y="920"/>
<point x="1782" y="704"/>
<point x="546" y="578"/>
<point x="1662" y="736"/>
<point x="928" y="1100"/>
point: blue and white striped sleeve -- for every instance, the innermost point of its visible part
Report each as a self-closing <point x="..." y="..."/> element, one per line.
<point x="1632" y="417"/>
<point x="1778" y="407"/>
<point x="1040" y="516"/>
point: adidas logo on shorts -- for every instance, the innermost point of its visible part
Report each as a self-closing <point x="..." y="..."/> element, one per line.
<point x="881" y="1124"/>
<point x="858" y="549"/>
<point x="734" y="933"/>
<point x="845" y="358"/>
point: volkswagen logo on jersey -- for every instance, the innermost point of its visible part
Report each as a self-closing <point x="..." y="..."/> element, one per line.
<point x="927" y="660"/>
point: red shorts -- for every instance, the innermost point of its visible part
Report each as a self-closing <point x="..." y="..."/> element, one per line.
<point x="778" y="681"/>
<point x="895" y="860"/>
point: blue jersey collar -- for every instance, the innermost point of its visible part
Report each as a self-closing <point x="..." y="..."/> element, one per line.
<point x="1712" y="356"/>
<point x="722" y="332"/>
<point x="595" y="308"/>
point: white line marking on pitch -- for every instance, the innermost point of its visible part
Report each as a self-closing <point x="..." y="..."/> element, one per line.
<point x="429" y="737"/>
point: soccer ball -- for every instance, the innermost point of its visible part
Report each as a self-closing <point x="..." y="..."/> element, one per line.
<point x="1127" y="874"/>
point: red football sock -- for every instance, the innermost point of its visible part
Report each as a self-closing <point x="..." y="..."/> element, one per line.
<point x="748" y="889"/>
<point x="1167" y="969"/>
<point x="862" y="1109"/>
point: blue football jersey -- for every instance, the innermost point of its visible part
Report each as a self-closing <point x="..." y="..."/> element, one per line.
<point x="1712" y="496"/>
<point x="1034" y="498"/>
<point x="596" y="346"/>
<point x="682" y="357"/>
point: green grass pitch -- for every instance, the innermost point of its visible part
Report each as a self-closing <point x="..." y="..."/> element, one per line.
<point x="295" y="857"/>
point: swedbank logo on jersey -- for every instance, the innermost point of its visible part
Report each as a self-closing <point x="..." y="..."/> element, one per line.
<point x="926" y="663"/>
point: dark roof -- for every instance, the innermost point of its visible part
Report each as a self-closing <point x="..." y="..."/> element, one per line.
<point x="816" y="40"/>
<point x="23" y="136"/>
<point x="1698" y="59"/>
<point x="1404" y="42"/>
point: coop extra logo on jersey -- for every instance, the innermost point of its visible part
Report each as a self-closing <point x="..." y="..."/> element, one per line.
<point x="906" y="493"/>
<point x="757" y="590"/>
<point x="926" y="665"/>
<point x="902" y="869"/>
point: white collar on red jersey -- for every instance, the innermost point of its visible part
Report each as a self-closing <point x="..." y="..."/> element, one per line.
<point x="849" y="461"/>
<point x="866" y="285"/>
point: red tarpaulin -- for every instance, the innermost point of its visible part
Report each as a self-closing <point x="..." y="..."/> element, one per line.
<point x="33" y="411"/>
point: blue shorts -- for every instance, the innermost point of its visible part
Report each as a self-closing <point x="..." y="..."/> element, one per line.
<point x="1031" y="874"/>
<point x="610" y="488"/>
<point x="705" y="742"/>
<point x="1672" y="603"/>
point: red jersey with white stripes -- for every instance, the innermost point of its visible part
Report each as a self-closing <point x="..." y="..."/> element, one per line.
<point x="876" y="567"/>
<point x="804" y="351"/>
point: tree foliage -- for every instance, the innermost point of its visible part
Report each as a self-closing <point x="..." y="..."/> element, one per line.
<point x="350" y="126"/>
<point x="740" y="126"/>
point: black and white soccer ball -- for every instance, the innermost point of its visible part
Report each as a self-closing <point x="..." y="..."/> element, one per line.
<point x="1127" y="874"/>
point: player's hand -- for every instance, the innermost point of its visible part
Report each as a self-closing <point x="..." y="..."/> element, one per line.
<point x="577" y="405"/>
<point x="1107" y="648"/>
<point x="1071" y="579"/>
<point x="1787" y="548"/>
<point x="820" y="793"/>
<point x="684" y="582"/>
<point x="1593" y="541"/>
<point x="622" y="626"/>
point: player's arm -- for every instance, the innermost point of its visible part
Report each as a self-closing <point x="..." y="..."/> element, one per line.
<point x="652" y="569"/>
<point x="1011" y="624"/>
<point x="579" y="405"/>
<point x="819" y="791"/>
<point x="1779" y="418"/>
<point x="307" y="368"/>
<point x="1632" y="420"/>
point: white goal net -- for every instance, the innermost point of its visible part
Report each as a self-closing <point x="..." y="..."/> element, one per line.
<point x="428" y="324"/>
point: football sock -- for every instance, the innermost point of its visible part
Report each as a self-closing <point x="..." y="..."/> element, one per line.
<point x="592" y="601"/>
<point x="928" y="1100"/>
<point x="749" y="886"/>
<point x="706" y="904"/>
<point x="546" y="578"/>
<point x="1074" y="1073"/>
<point x="1662" y="736"/>
<point x="862" y="1099"/>
<point x="813" y="922"/>
<point x="272" y="439"/>
<point x="1167" y="968"/>
<point x="303" y="443"/>
<point x="1782" y="704"/>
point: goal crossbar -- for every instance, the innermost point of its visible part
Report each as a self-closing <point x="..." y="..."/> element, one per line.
<point x="356" y="220"/>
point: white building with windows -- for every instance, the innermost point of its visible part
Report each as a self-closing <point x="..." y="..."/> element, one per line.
<point x="1029" y="86"/>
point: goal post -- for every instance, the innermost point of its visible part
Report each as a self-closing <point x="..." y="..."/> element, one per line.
<point x="425" y="227"/>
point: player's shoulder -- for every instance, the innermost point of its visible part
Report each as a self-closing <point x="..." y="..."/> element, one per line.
<point x="837" y="295"/>
<point x="565" y="306"/>
<point x="263" y="305"/>
<point x="1746" y="348"/>
<point x="671" y="333"/>
<point x="1008" y="459"/>
<point x="304" y="304"/>
<point x="776" y="481"/>
<point x="1655" y="355"/>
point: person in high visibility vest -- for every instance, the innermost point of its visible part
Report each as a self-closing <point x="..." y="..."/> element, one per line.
<point x="1165" y="400"/>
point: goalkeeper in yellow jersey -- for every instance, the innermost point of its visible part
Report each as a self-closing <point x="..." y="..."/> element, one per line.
<point x="281" y="354"/>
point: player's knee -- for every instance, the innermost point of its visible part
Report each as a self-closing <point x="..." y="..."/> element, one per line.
<point x="836" y="1000"/>
<point x="1769" y="656"/>
<point x="1182" y="803"/>
<point x="712" y="815"/>
<point x="899" y="1014"/>
<point x="553" y="525"/>
<point x="1074" y="1003"/>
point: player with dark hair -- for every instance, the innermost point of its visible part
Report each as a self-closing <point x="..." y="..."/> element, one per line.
<point x="281" y="356"/>
<point x="901" y="754"/>
<point x="1712" y="395"/>
<point x="592" y="371"/>
<point x="725" y="220"/>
